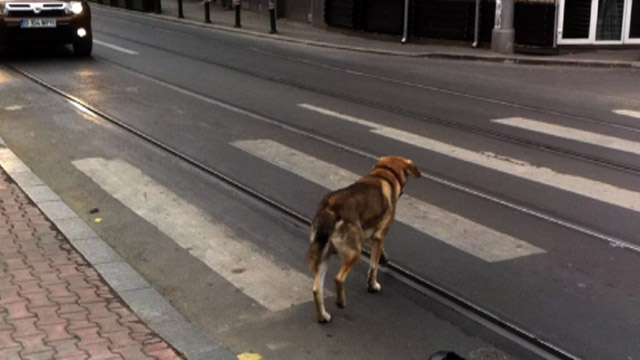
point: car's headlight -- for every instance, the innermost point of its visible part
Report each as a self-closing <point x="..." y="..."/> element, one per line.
<point x="76" y="7"/>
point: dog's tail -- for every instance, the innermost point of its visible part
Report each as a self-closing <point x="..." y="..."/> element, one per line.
<point x="321" y="230"/>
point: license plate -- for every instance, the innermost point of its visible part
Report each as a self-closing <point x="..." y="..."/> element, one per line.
<point x="38" y="23"/>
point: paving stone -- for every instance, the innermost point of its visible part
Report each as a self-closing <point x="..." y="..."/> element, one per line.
<point x="46" y="355"/>
<point x="33" y="344"/>
<point x="55" y="332"/>
<point x="67" y="348"/>
<point x="88" y="335"/>
<point x="14" y="264"/>
<point x="10" y="295"/>
<point x="6" y="341"/>
<point x="21" y="275"/>
<point x="18" y="310"/>
<point x="10" y="354"/>
<point x="101" y="351"/>
<point x="37" y="299"/>
<point x="132" y="353"/>
<point x="48" y="315"/>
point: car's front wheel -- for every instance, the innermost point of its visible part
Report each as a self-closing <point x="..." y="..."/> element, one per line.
<point x="83" y="47"/>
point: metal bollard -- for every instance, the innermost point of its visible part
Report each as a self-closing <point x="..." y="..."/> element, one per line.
<point x="180" y="12"/>
<point x="158" y="7"/>
<point x="207" y="11"/>
<point x="237" y="6"/>
<point x="272" y="15"/>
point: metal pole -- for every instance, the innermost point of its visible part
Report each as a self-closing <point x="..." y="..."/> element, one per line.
<point x="476" y="32"/>
<point x="180" y="12"/>
<point x="405" y="31"/>
<point x="272" y="15"/>
<point x="207" y="11"/>
<point x="555" y="26"/>
<point x="503" y="35"/>
<point x="237" y="6"/>
<point x="158" y="7"/>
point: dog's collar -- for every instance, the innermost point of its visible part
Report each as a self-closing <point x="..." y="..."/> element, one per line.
<point x="391" y="170"/>
<point x="380" y="176"/>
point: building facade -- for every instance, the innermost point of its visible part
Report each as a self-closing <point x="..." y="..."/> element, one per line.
<point x="537" y="23"/>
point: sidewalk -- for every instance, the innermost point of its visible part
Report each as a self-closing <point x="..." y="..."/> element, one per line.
<point x="257" y="24"/>
<point x="53" y="304"/>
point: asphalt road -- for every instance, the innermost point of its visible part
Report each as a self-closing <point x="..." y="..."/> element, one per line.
<point x="529" y="208"/>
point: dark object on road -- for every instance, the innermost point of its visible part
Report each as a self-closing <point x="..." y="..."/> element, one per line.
<point x="348" y="217"/>
<point x="445" y="355"/>
<point x="26" y="22"/>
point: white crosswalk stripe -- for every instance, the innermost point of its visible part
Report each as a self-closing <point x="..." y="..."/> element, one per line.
<point x="630" y="113"/>
<point x="572" y="134"/>
<point x="271" y="284"/>
<point x="461" y="233"/>
<point x="575" y="184"/>
<point x="115" y="47"/>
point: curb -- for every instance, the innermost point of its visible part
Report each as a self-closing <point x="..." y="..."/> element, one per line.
<point x="524" y="60"/>
<point x="134" y="290"/>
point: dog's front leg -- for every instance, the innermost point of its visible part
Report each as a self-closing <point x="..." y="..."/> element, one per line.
<point x="318" y="296"/>
<point x="372" y="278"/>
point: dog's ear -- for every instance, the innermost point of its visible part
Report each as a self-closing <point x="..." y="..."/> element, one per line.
<point x="411" y="169"/>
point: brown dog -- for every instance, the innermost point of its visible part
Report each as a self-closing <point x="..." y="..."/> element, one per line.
<point x="346" y="218"/>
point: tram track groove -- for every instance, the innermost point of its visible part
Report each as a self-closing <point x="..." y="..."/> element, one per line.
<point x="419" y="116"/>
<point x="434" y="291"/>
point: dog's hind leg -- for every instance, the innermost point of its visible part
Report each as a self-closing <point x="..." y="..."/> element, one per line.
<point x="377" y="250"/>
<point x="347" y="264"/>
<point x="318" y="296"/>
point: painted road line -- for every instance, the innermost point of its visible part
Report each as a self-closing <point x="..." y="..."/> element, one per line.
<point x="461" y="233"/>
<point x="116" y="47"/>
<point x="269" y="283"/>
<point x="631" y="113"/>
<point x="572" y="134"/>
<point x="585" y="187"/>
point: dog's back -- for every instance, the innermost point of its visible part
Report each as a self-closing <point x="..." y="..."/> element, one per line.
<point x="360" y="204"/>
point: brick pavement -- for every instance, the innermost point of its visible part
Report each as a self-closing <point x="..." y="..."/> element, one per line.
<point x="53" y="304"/>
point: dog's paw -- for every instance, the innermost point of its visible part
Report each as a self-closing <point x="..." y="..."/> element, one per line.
<point x="341" y="304"/>
<point x="384" y="258"/>
<point x="374" y="287"/>
<point x="324" y="318"/>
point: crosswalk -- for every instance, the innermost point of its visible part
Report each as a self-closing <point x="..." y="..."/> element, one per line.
<point x="277" y="287"/>
<point x="452" y="229"/>
<point x="574" y="184"/>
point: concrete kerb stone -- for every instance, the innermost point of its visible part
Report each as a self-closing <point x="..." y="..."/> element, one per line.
<point x="96" y="251"/>
<point x="40" y="193"/>
<point x="75" y="229"/>
<point x="516" y="59"/>
<point x="151" y="306"/>
<point x="56" y="210"/>
<point x="134" y="290"/>
<point x="121" y="276"/>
